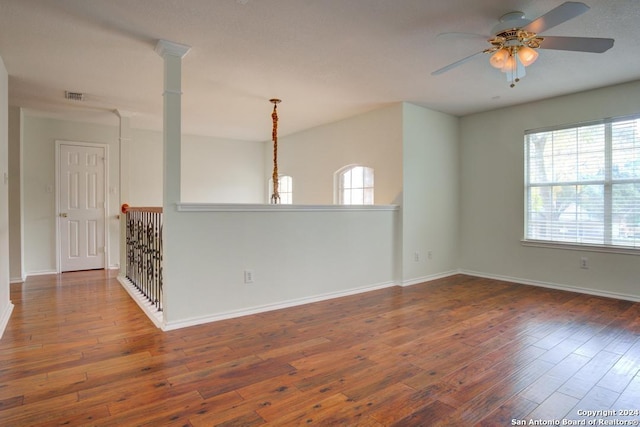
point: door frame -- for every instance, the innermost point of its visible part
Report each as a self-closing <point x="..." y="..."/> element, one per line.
<point x="107" y="243"/>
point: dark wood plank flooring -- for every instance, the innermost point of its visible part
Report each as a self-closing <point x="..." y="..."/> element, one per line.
<point x="457" y="351"/>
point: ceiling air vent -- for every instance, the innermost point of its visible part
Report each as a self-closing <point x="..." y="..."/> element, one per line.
<point x="74" y="96"/>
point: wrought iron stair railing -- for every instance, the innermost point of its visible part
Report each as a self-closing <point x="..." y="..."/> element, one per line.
<point x="144" y="251"/>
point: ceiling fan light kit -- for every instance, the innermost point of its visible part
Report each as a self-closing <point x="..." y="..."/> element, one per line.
<point x="515" y="43"/>
<point x="513" y="50"/>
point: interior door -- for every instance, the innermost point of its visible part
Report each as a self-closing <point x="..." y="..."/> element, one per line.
<point x="81" y="203"/>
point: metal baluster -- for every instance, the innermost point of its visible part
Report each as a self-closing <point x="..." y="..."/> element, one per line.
<point x="160" y="270"/>
<point x="144" y="253"/>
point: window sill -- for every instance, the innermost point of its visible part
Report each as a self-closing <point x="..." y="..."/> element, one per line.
<point x="583" y="247"/>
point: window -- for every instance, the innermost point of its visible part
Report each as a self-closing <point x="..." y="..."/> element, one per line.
<point x="582" y="184"/>
<point x="285" y="189"/>
<point x="355" y="185"/>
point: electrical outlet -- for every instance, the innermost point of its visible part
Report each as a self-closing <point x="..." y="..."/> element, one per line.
<point x="429" y="255"/>
<point x="416" y="257"/>
<point x="248" y="276"/>
<point x="584" y="263"/>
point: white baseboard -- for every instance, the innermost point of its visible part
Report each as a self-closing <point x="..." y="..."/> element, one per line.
<point x="158" y="320"/>
<point x="429" y="278"/>
<point x="48" y="272"/>
<point x="551" y="285"/>
<point x="4" y="318"/>
<point x="152" y="313"/>
<point x="17" y="279"/>
<point x="40" y="273"/>
<point x="270" y="307"/>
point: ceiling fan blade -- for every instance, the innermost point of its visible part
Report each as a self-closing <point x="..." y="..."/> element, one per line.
<point x="455" y="64"/>
<point x="580" y="44"/>
<point x="460" y="36"/>
<point x="557" y="16"/>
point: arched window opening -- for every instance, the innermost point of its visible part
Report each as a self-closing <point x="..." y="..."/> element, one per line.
<point x="355" y="185"/>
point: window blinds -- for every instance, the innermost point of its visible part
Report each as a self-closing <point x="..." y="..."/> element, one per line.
<point x="582" y="184"/>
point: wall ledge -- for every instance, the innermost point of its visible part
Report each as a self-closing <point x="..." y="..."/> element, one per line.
<point x="248" y="207"/>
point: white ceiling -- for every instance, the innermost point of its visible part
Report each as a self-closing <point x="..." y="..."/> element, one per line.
<point x="326" y="59"/>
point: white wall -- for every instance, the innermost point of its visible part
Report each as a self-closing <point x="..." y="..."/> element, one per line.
<point x="145" y="168"/>
<point x="430" y="201"/>
<point x="5" y="303"/>
<point x="225" y="171"/>
<point x="213" y="162"/>
<point x="311" y="252"/>
<point x="295" y="256"/>
<point x="38" y="175"/>
<point x="214" y="170"/>
<point x="313" y="156"/>
<point x="492" y="197"/>
<point x="415" y="154"/>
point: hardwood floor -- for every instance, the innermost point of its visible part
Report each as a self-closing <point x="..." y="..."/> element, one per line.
<point x="457" y="351"/>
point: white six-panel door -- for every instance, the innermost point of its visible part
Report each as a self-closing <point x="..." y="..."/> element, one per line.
<point x="81" y="206"/>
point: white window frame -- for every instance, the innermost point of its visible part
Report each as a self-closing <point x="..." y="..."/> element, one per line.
<point x="285" y="189"/>
<point x="342" y="198"/>
<point x="612" y="240"/>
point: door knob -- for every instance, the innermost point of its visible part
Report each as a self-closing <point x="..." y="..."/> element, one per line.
<point x="63" y="215"/>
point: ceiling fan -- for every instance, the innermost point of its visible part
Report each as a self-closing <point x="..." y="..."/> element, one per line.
<point x="516" y="39"/>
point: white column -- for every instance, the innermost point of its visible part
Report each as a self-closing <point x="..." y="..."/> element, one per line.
<point x="172" y="54"/>
<point x="172" y="132"/>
